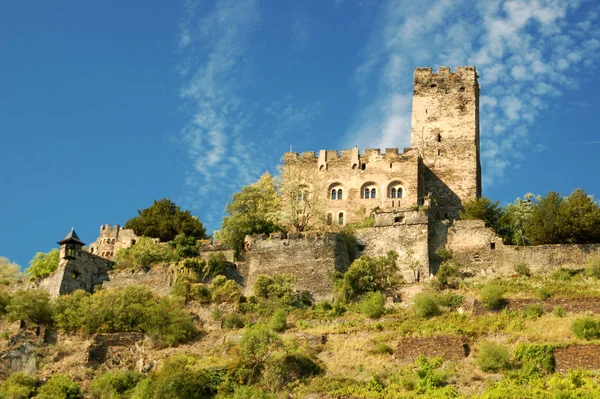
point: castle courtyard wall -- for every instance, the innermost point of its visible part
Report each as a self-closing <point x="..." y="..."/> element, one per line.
<point x="312" y="259"/>
<point x="480" y="251"/>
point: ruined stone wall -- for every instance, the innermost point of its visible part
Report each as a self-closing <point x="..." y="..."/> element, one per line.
<point x="445" y="129"/>
<point x="157" y="278"/>
<point x="353" y="173"/>
<point x="206" y="248"/>
<point x="112" y="239"/>
<point x="311" y="258"/>
<point x="479" y="250"/>
<point x="408" y="238"/>
<point x="83" y="271"/>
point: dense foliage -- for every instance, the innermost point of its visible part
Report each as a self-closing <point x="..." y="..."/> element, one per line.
<point x="43" y="264"/>
<point x="144" y="253"/>
<point x="165" y="220"/>
<point x="368" y="274"/>
<point x="254" y="210"/>
<point x="9" y="271"/>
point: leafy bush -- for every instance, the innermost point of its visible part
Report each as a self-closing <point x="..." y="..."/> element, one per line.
<point x="287" y="366"/>
<point x="533" y="311"/>
<point x="18" y="386"/>
<point x="426" y="305"/>
<point x="43" y="264"/>
<point x="447" y="271"/>
<point x="233" y="321"/>
<point x="538" y="358"/>
<point x="593" y="267"/>
<point x="368" y="274"/>
<point x="257" y="346"/>
<point x="450" y="300"/>
<point x="586" y="328"/>
<point x="383" y="349"/>
<point x="522" y="269"/>
<point x="200" y="292"/>
<point x="564" y="274"/>
<point x="144" y="253"/>
<point x="242" y="392"/>
<point x="278" y="287"/>
<point x="32" y="306"/>
<point x="492" y="296"/>
<point x="278" y="322"/>
<point x="165" y="220"/>
<point x="216" y="265"/>
<point x="372" y="304"/>
<point x="132" y="308"/>
<point x="544" y="293"/>
<point x="185" y="246"/>
<point x="429" y="376"/>
<point x="224" y="291"/>
<point x="114" y="384"/>
<point x="59" y="386"/>
<point x="558" y="311"/>
<point x="444" y="253"/>
<point x="5" y="298"/>
<point x="492" y="357"/>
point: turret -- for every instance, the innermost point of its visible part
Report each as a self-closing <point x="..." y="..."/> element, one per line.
<point x="71" y="245"/>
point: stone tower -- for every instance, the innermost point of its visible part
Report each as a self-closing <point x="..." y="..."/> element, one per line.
<point x="445" y="129"/>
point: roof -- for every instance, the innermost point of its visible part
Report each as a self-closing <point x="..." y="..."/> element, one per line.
<point x="71" y="237"/>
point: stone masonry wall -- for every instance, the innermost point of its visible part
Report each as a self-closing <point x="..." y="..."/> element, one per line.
<point x="84" y="271"/>
<point x="352" y="172"/>
<point x="112" y="239"/>
<point x="312" y="258"/>
<point x="445" y="129"/>
<point x="408" y="239"/>
<point x="479" y="250"/>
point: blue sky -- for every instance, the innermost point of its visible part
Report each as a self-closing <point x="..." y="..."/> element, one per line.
<point x="107" y="106"/>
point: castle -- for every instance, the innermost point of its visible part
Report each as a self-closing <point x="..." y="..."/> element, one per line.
<point x="415" y="196"/>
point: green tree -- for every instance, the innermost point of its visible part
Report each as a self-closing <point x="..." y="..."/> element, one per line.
<point x="482" y="208"/>
<point x="145" y="253"/>
<point x="542" y="225"/>
<point x="43" y="264"/>
<point x="368" y="274"/>
<point x="165" y="220"/>
<point x="9" y="271"/>
<point x="251" y="211"/>
<point x="31" y="306"/>
<point x="513" y="220"/>
<point x="59" y="386"/>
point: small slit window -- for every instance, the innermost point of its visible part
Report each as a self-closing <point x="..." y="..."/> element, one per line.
<point x="492" y="246"/>
<point x="341" y="218"/>
<point x="439" y="138"/>
<point x="334" y="194"/>
<point x="373" y="193"/>
<point x="363" y="166"/>
<point x="329" y="219"/>
<point x="398" y="219"/>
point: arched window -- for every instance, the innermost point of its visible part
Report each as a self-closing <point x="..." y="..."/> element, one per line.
<point x="335" y="191"/>
<point x="333" y="194"/>
<point x="341" y="218"/>
<point x="395" y="190"/>
<point x="368" y="190"/>
<point x="339" y="194"/>
<point x="329" y="218"/>
<point x="373" y="193"/>
<point x="367" y="193"/>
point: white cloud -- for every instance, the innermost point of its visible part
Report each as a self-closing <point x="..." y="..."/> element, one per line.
<point x="527" y="52"/>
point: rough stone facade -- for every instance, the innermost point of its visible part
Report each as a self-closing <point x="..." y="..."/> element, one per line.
<point x="112" y="239"/>
<point x="312" y="259"/>
<point x="479" y="250"/>
<point x="77" y="269"/>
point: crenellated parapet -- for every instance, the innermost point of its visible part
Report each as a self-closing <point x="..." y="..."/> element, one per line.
<point x="111" y="239"/>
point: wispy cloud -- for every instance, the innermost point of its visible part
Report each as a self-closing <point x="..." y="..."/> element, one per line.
<point x="526" y="52"/>
<point x="228" y="132"/>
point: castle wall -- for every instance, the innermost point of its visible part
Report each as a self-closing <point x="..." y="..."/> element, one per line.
<point x="84" y="271"/>
<point x="408" y="238"/>
<point x="352" y="173"/>
<point x="479" y="250"/>
<point x="206" y="248"/>
<point x="112" y="239"/>
<point x="157" y="278"/>
<point x="445" y="129"/>
<point x="312" y="259"/>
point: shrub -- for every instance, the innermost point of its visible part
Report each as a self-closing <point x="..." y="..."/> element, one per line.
<point x="168" y="323"/>
<point x="200" y="292"/>
<point x="43" y="264"/>
<point x="233" y="321"/>
<point x="243" y="392"/>
<point x="492" y="357"/>
<point x="144" y="253"/>
<point x="533" y="311"/>
<point x="586" y="328"/>
<point x="383" y="349"/>
<point x="444" y="253"/>
<point x="492" y="296"/>
<point x="284" y="367"/>
<point x="538" y="358"/>
<point x="32" y="306"/>
<point x="18" y="386"/>
<point x="544" y="293"/>
<point x="372" y="304"/>
<point x="368" y="274"/>
<point x="216" y="265"/>
<point x="59" y="386"/>
<point x="113" y="384"/>
<point x="257" y="346"/>
<point x="4" y="300"/>
<point x="447" y="271"/>
<point x="278" y="287"/>
<point x="593" y="267"/>
<point x="223" y="290"/>
<point x="429" y="376"/>
<point x="72" y="312"/>
<point x="522" y="269"/>
<point x="450" y="300"/>
<point x="278" y="322"/>
<point x="426" y="305"/>
<point x="558" y="311"/>
<point x="564" y="274"/>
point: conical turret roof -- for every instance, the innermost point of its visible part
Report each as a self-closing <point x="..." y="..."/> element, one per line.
<point x="71" y="237"/>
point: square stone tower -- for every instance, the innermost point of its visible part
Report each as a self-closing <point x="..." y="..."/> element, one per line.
<point x="445" y="129"/>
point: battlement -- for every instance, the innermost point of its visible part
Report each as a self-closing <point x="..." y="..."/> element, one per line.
<point x="445" y="81"/>
<point x="346" y="155"/>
